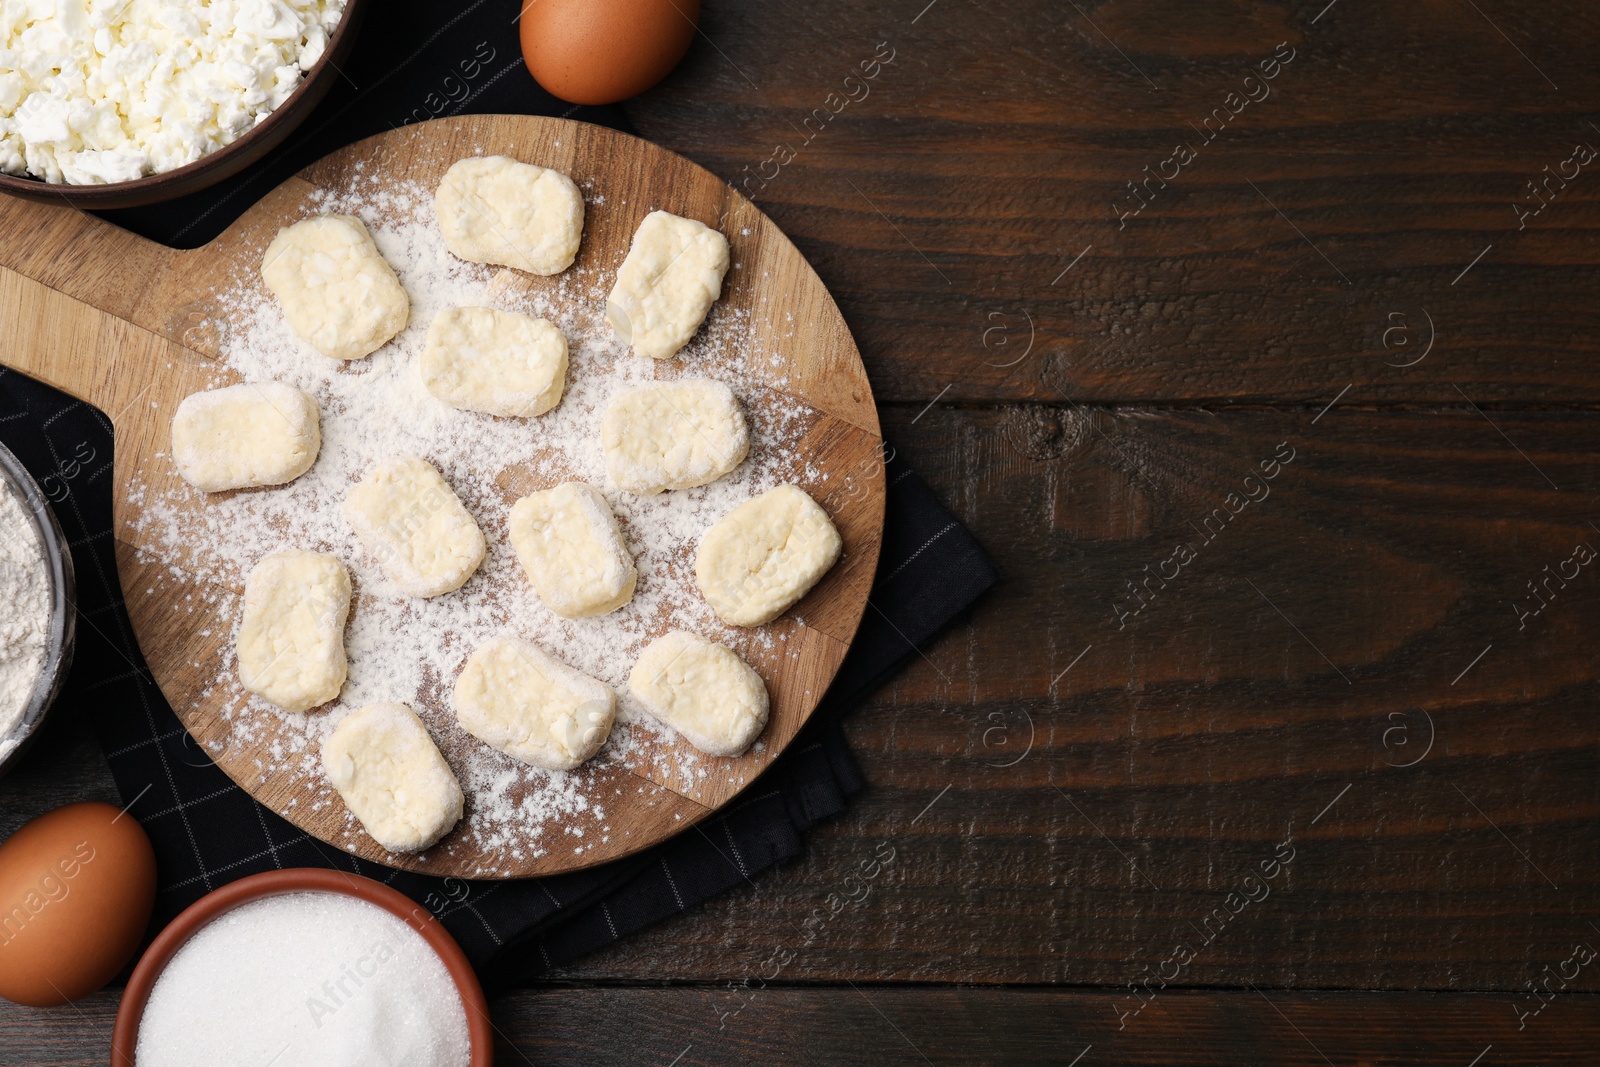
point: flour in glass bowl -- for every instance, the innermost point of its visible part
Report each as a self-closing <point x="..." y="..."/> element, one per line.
<point x="25" y="599"/>
<point x="411" y="650"/>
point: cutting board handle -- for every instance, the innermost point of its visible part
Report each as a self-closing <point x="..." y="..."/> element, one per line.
<point x="95" y="310"/>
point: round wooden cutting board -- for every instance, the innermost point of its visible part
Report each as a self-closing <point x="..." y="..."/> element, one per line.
<point x="128" y="325"/>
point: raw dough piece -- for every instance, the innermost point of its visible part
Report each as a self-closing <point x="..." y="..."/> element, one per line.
<point x="392" y="777"/>
<point x="497" y="362"/>
<point x="673" y="435"/>
<point x="291" y="642"/>
<point x="702" y="690"/>
<point x="672" y="276"/>
<point x="515" y="698"/>
<point x="569" y="544"/>
<point x="256" y="433"/>
<point x="336" y="290"/>
<point x="764" y="555"/>
<point x="493" y="209"/>
<point x="407" y="517"/>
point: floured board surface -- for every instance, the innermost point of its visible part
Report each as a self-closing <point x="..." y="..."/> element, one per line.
<point x="135" y="327"/>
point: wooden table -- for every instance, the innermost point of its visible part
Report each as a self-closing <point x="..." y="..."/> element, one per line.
<point x="1287" y="451"/>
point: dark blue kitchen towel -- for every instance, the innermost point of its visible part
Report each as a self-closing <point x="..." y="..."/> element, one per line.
<point x="415" y="60"/>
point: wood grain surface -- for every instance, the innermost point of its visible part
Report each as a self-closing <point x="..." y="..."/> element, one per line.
<point x="871" y="1025"/>
<point x="998" y="146"/>
<point x="947" y="206"/>
<point x="134" y="328"/>
<point x="1088" y="813"/>
<point x="1170" y="360"/>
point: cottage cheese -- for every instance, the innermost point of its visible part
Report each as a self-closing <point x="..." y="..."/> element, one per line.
<point x="514" y="697"/>
<point x="253" y="433"/>
<point x="413" y="523"/>
<point x="383" y="762"/>
<point x="672" y="276"/>
<point x="673" y="435"/>
<point x="764" y="555"/>
<point x="703" y="690"/>
<point x="571" y="547"/>
<point x="291" y="642"/>
<point x="95" y="91"/>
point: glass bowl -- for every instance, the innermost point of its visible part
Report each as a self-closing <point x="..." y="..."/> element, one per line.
<point x="15" y="479"/>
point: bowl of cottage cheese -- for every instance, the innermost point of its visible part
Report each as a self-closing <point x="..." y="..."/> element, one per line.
<point x="114" y="103"/>
<point x="38" y="607"/>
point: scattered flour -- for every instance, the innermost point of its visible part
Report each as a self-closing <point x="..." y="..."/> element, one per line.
<point x="25" y="600"/>
<point x="410" y="650"/>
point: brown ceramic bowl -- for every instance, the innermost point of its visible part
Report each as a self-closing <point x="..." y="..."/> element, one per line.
<point x="125" y="1034"/>
<point x="225" y="161"/>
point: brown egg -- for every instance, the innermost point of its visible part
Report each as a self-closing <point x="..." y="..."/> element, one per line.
<point x="76" y="888"/>
<point x="602" y="51"/>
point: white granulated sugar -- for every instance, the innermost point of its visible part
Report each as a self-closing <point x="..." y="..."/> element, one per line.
<point x="330" y="979"/>
<point x="24" y="612"/>
<point x="411" y="650"/>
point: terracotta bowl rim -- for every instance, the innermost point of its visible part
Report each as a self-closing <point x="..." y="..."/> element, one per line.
<point x="125" y="1032"/>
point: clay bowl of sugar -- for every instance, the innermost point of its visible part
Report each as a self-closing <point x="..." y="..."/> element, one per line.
<point x="71" y="128"/>
<point x="303" y="966"/>
<point x="38" y="608"/>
